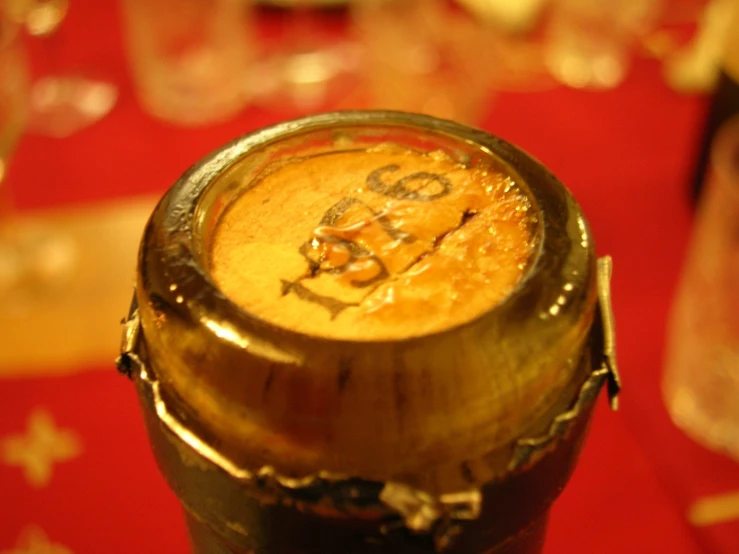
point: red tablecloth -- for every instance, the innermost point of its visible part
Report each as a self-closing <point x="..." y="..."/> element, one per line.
<point x="625" y="154"/>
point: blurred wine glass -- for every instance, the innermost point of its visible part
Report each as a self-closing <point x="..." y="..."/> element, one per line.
<point x="33" y="258"/>
<point x="701" y="382"/>
<point x="307" y="58"/>
<point x="588" y="42"/>
<point x="188" y="57"/>
<point x="13" y="85"/>
<point x="423" y="56"/>
<point x="60" y="103"/>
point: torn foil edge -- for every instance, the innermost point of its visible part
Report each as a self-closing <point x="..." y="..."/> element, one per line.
<point x="529" y="449"/>
<point x="419" y="511"/>
<point x="608" y="328"/>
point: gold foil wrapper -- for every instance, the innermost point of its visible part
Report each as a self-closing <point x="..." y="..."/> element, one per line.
<point x="200" y="364"/>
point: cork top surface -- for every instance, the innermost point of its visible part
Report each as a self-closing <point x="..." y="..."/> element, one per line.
<point x="377" y="244"/>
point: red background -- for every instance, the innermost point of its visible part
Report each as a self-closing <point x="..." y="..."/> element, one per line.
<point x="625" y="154"/>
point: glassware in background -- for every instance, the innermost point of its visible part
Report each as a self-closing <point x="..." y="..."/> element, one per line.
<point x="62" y="271"/>
<point x="306" y="57"/>
<point x="701" y="379"/>
<point x="32" y="258"/>
<point x="13" y="115"/>
<point x="189" y="58"/>
<point x="698" y="66"/>
<point x="712" y="63"/>
<point x="588" y="42"/>
<point x="61" y="103"/>
<point x="423" y="56"/>
<point x="512" y="16"/>
<point x="13" y="92"/>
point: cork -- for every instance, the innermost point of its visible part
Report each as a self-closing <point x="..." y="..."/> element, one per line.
<point x="375" y="244"/>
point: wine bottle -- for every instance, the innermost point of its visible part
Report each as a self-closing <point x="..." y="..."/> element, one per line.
<point x="368" y="333"/>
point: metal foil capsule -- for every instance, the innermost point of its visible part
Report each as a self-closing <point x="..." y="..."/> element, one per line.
<point x="500" y="404"/>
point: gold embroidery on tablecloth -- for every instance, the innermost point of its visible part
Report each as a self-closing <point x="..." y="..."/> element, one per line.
<point x="33" y="540"/>
<point x="714" y="509"/>
<point x="39" y="448"/>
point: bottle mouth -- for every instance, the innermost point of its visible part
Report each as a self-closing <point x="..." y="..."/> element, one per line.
<point x="368" y="231"/>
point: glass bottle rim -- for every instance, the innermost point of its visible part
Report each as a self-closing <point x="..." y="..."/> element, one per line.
<point x="185" y="218"/>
